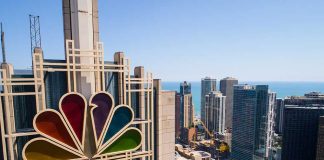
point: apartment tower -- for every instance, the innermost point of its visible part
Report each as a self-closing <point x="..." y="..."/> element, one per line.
<point x="226" y="87"/>
<point x="207" y="85"/>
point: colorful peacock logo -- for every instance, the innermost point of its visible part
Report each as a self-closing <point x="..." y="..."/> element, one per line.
<point x="66" y="134"/>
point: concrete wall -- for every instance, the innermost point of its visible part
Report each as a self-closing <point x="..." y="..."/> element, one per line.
<point x="165" y="123"/>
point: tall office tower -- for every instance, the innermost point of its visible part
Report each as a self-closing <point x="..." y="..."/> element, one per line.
<point x="279" y="112"/>
<point x="185" y="88"/>
<point x="185" y="110"/>
<point x="207" y="85"/>
<point x="186" y="116"/>
<point x="301" y="121"/>
<point x="226" y="87"/>
<point x="320" y="139"/>
<point x="188" y="110"/>
<point x="270" y="122"/>
<point x="177" y="115"/>
<point x="164" y="122"/>
<point x="252" y="122"/>
<point x="215" y="112"/>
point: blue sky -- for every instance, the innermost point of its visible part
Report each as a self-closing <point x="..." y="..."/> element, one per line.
<point x="258" y="40"/>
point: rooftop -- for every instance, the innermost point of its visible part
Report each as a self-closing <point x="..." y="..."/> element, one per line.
<point x="229" y="78"/>
<point x="314" y="106"/>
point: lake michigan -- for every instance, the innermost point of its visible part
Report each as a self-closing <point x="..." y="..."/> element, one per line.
<point x="282" y="89"/>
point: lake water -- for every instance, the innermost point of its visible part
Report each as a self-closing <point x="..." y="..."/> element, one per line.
<point x="282" y="89"/>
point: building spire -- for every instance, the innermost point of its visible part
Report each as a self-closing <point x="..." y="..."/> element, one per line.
<point x="3" y="46"/>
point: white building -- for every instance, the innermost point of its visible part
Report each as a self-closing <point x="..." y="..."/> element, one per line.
<point x="215" y="111"/>
<point x="270" y="122"/>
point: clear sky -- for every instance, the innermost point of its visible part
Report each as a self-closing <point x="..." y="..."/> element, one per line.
<point x="258" y="40"/>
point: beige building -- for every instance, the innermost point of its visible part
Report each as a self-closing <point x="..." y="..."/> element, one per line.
<point x="164" y="122"/>
<point x="226" y="87"/>
<point x="188" y="110"/>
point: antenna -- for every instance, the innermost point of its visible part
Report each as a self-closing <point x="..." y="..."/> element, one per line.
<point x="35" y="35"/>
<point x="3" y="46"/>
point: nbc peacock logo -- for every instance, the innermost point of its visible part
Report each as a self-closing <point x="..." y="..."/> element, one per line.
<point x="100" y="128"/>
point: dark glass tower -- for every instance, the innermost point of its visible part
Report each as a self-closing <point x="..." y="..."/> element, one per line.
<point x="185" y="88"/>
<point x="279" y="110"/>
<point x="300" y="127"/>
<point x="320" y="139"/>
<point x="252" y="126"/>
<point x="300" y="132"/>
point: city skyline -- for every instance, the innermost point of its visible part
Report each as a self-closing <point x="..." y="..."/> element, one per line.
<point x="207" y="35"/>
<point x="261" y="97"/>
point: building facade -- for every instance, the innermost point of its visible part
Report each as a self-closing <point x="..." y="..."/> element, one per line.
<point x="207" y="85"/>
<point x="164" y="122"/>
<point x="186" y="105"/>
<point x="279" y="110"/>
<point x="188" y="110"/>
<point x="184" y="110"/>
<point x="185" y="88"/>
<point x="215" y="112"/>
<point x="226" y="87"/>
<point x="270" y="122"/>
<point x="302" y="126"/>
<point x="252" y="122"/>
<point x="177" y="115"/>
<point x="320" y="139"/>
<point x="300" y="131"/>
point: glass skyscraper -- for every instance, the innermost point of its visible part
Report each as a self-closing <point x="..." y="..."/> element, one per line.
<point x="279" y="109"/>
<point x="185" y="88"/>
<point x="301" y="126"/>
<point x="252" y="122"/>
<point x="207" y="85"/>
<point x="300" y="132"/>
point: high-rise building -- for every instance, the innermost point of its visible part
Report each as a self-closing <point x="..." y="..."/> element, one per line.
<point x="300" y="132"/>
<point x="188" y="111"/>
<point x="177" y="115"/>
<point x="185" y="88"/>
<point x="184" y="109"/>
<point x="279" y="113"/>
<point x="270" y="122"/>
<point x="301" y="126"/>
<point x="226" y="87"/>
<point x="207" y="85"/>
<point x="215" y="112"/>
<point x="252" y="122"/>
<point x="164" y="110"/>
<point x="320" y="139"/>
